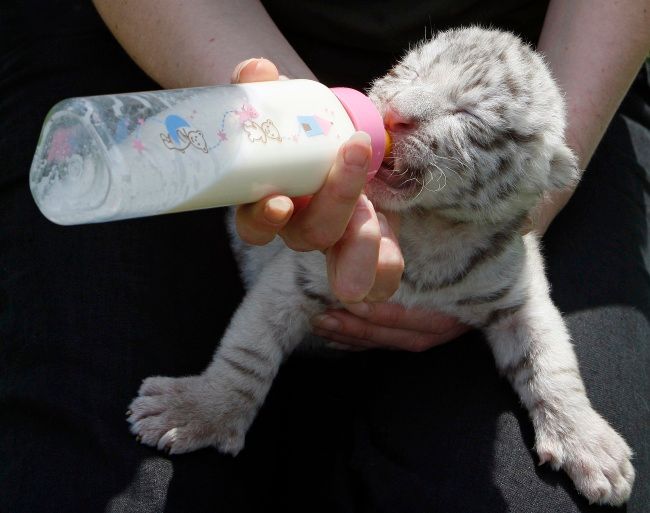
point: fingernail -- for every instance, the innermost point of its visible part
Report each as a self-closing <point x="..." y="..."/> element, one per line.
<point x="359" y="309"/>
<point x="326" y="322"/>
<point x="239" y="68"/>
<point x="355" y="155"/>
<point x="360" y="136"/>
<point x="277" y="210"/>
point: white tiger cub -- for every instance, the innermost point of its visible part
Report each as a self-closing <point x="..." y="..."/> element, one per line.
<point x="478" y="129"/>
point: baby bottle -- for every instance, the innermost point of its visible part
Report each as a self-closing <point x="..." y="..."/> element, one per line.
<point x="104" y="158"/>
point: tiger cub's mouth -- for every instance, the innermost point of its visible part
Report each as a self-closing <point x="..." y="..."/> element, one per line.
<point x="391" y="175"/>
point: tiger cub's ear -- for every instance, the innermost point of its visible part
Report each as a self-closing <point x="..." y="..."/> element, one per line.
<point x="564" y="168"/>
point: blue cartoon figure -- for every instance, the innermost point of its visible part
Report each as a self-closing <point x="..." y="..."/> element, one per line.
<point x="179" y="135"/>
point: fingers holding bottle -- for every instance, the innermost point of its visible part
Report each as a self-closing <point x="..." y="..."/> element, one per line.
<point x="324" y="220"/>
<point x="364" y="260"/>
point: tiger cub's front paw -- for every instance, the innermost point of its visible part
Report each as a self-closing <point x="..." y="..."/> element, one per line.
<point x="179" y="415"/>
<point x="594" y="455"/>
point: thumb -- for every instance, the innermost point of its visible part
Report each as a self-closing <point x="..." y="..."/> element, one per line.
<point x="254" y="70"/>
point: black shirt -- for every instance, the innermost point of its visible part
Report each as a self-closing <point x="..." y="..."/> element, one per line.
<point x="351" y="42"/>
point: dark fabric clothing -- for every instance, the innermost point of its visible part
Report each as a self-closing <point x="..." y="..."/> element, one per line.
<point x="87" y="312"/>
<point x="353" y="42"/>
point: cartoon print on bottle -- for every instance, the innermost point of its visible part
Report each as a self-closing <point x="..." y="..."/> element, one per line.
<point x="271" y="130"/>
<point x="178" y="137"/>
<point x="254" y="131"/>
<point x="261" y="133"/>
<point x="246" y="113"/>
<point x="313" y="126"/>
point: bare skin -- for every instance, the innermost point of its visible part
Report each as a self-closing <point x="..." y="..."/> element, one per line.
<point x="595" y="48"/>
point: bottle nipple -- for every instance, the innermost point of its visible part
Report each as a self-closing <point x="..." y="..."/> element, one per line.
<point x="388" y="145"/>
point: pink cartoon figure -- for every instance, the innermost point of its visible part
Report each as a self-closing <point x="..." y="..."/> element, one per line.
<point x="246" y="113"/>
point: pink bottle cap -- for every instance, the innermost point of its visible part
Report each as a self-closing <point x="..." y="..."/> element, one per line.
<point x="365" y="117"/>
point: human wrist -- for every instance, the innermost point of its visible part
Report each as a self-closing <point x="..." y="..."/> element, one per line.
<point x="548" y="208"/>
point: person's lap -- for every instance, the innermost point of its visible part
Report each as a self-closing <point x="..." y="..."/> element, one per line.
<point x="87" y="312"/>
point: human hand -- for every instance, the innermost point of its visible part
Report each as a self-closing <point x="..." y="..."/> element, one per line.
<point x="386" y="326"/>
<point x="364" y="261"/>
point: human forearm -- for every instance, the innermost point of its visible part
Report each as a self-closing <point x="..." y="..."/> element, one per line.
<point x="595" y="49"/>
<point x="183" y="44"/>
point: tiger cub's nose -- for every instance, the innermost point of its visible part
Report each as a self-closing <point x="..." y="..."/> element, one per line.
<point x="395" y="122"/>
